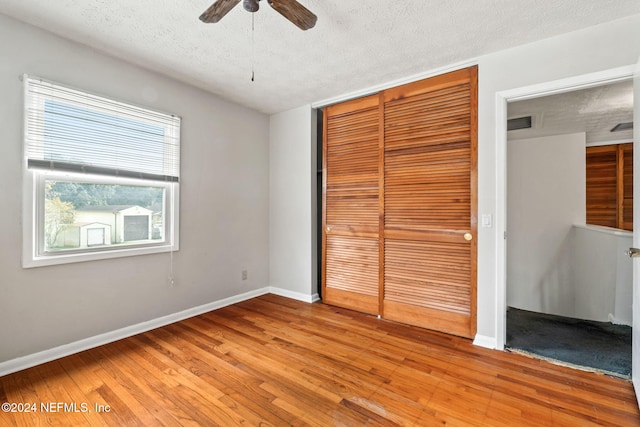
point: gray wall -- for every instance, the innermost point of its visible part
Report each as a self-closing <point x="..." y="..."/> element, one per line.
<point x="292" y="243"/>
<point x="225" y="189"/>
<point x="224" y="213"/>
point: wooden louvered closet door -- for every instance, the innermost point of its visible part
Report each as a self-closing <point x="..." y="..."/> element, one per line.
<point x="610" y="185"/>
<point x="399" y="203"/>
<point x="351" y="205"/>
<point x="430" y="199"/>
<point x="602" y="185"/>
<point x="625" y="217"/>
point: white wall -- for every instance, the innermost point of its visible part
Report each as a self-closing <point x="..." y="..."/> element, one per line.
<point x="546" y="195"/>
<point x="553" y="266"/>
<point x="594" y="49"/>
<point x="224" y="198"/>
<point x="292" y="223"/>
<point x="602" y="274"/>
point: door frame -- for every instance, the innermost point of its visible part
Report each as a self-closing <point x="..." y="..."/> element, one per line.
<point x="519" y="94"/>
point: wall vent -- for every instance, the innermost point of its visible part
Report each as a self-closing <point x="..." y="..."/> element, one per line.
<point x="622" y="126"/>
<point x="519" y="123"/>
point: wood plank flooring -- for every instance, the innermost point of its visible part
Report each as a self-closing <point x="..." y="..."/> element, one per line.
<point x="275" y="361"/>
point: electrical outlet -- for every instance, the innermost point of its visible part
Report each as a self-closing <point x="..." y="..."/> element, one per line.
<point x="245" y="274"/>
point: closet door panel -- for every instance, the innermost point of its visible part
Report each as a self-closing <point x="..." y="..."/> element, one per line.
<point x="430" y="200"/>
<point x="627" y="187"/>
<point x="351" y="204"/>
<point x="602" y="187"/>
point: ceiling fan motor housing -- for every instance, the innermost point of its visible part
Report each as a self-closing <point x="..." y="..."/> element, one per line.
<point x="251" y="5"/>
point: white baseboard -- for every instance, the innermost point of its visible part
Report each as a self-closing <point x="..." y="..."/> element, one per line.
<point x="20" y="363"/>
<point x="294" y="295"/>
<point x="485" y="341"/>
<point x="615" y="321"/>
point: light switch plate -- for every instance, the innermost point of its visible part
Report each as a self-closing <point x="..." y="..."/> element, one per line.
<point x="487" y="221"/>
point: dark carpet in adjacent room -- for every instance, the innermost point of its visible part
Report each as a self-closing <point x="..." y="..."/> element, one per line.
<point x="599" y="345"/>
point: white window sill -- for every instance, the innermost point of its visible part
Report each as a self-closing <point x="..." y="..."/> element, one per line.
<point x="68" y="258"/>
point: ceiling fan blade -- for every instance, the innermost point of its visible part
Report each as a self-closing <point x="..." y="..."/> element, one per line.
<point x="217" y="10"/>
<point x="302" y="17"/>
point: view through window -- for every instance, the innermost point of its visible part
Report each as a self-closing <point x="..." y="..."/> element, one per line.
<point x="83" y="215"/>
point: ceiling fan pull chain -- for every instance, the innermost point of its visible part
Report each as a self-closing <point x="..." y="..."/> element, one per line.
<point x="253" y="28"/>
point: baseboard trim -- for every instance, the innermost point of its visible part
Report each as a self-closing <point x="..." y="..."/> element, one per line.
<point x="485" y="341"/>
<point x="615" y="321"/>
<point x="24" y="362"/>
<point x="294" y="295"/>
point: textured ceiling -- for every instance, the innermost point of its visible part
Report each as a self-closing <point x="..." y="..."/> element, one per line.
<point x="594" y="111"/>
<point x="356" y="44"/>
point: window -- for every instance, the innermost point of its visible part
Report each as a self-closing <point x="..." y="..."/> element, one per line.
<point x="101" y="177"/>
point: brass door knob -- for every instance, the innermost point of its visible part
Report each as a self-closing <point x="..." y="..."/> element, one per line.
<point x="328" y="229"/>
<point x="468" y="237"/>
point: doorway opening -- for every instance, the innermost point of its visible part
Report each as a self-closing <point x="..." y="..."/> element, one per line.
<point x="568" y="282"/>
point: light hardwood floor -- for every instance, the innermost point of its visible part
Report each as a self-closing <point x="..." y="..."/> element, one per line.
<point x="275" y="361"/>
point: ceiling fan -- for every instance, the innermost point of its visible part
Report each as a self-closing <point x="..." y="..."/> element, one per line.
<point x="290" y="9"/>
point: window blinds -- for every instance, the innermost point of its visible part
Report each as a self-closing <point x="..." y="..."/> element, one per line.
<point x="74" y="131"/>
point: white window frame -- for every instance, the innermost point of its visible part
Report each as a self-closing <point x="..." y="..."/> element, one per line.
<point x="33" y="253"/>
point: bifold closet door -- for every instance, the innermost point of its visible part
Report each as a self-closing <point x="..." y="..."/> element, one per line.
<point x="350" y="250"/>
<point x="430" y="199"/>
